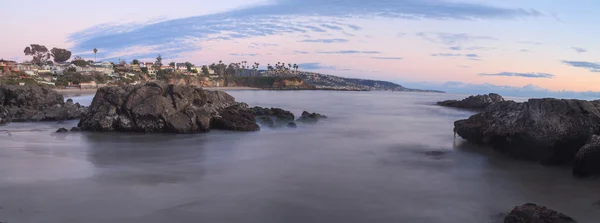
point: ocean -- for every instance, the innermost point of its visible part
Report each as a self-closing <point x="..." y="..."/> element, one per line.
<point x="379" y="157"/>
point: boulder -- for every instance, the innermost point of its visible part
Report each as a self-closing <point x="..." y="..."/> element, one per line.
<point x="532" y="213"/>
<point x="61" y="130"/>
<point x="36" y="103"/>
<point x="4" y="115"/>
<point x="547" y="130"/>
<point x="587" y="159"/>
<point x="75" y="129"/>
<point x="235" y="118"/>
<point x="310" y="118"/>
<point x="477" y="102"/>
<point x="157" y="107"/>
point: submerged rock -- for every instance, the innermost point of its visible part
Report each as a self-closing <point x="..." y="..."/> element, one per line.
<point x="75" y="129"/>
<point x="477" y="102"/>
<point x="532" y="213"/>
<point x="310" y="118"/>
<point x="587" y="159"/>
<point x="61" y="130"/>
<point x="36" y="103"/>
<point x="548" y="130"/>
<point x="273" y="117"/>
<point x="155" y="107"/>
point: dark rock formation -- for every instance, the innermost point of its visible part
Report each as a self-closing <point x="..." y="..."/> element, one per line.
<point x="155" y="107"/>
<point x="310" y="118"/>
<point x="478" y="102"/>
<point x="36" y="103"/>
<point x="547" y="130"/>
<point x="237" y="118"/>
<point x="273" y="117"/>
<point x="75" y="129"/>
<point x="532" y="213"/>
<point x="587" y="159"/>
<point x="61" y="130"/>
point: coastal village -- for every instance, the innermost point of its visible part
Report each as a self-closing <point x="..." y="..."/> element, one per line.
<point x="57" y="69"/>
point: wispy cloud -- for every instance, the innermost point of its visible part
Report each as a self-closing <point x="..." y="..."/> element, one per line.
<point x="530" y="42"/>
<point x="446" y="55"/>
<point x="354" y="27"/>
<point x="244" y="54"/>
<point x="525" y="50"/>
<point x="591" y="66"/>
<point x="324" y="40"/>
<point x="472" y="55"/>
<point x="457" y="39"/>
<point x="299" y="52"/>
<point x="470" y="48"/>
<point x="400" y="34"/>
<point x="515" y="74"/>
<point x="283" y="16"/>
<point x="314" y="66"/>
<point x="579" y="49"/>
<point x="463" y="66"/>
<point x="349" y="52"/>
<point x="387" y="58"/>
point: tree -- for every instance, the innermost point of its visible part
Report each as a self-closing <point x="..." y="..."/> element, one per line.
<point x="95" y="51"/>
<point x="122" y="62"/>
<point x="135" y="61"/>
<point x="189" y="66"/>
<point x="39" y="53"/>
<point x="60" y="55"/>
<point x="205" y="70"/>
<point x="172" y="64"/>
<point x="158" y="62"/>
<point x="79" y="61"/>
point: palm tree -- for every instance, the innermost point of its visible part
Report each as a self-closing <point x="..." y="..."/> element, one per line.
<point x="95" y="51"/>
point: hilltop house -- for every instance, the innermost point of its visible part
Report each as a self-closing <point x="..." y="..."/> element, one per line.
<point x="7" y="65"/>
<point x="180" y="67"/>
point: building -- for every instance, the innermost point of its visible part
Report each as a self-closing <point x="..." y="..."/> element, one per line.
<point x="180" y="67"/>
<point x="135" y="67"/>
<point x="91" y="84"/>
<point x="7" y="65"/>
<point x="26" y="67"/>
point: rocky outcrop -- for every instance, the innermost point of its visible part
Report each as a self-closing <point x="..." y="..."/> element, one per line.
<point x="36" y="103"/>
<point x="155" y="107"/>
<point x="62" y="130"/>
<point x="237" y="118"/>
<point x="548" y="130"/>
<point x="587" y="159"/>
<point x="273" y="117"/>
<point x="532" y="213"/>
<point x="478" y="102"/>
<point x="310" y="118"/>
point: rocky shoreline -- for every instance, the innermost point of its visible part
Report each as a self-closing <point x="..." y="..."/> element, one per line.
<point x="476" y="102"/>
<point x="550" y="131"/>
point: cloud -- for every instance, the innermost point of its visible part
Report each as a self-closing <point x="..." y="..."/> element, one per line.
<point x="400" y="34"/>
<point x="470" y="48"/>
<point x="527" y="75"/>
<point x="446" y="55"/>
<point x="324" y="40"/>
<point x="314" y="66"/>
<point x="354" y="27"/>
<point x="530" y="42"/>
<point x="525" y="50"/>
<point x="579" y="49"/>
<point x="279" y="17"/>
<point x="299" y="52"/>
<point x="472" y="55"/>
<point x="244" y="54"/>
<point x="462" y="66"/>
<point x="349" y="52"/>
<point x="592" y="67"/>
<point x="451" y="38"/>
<point x="387" y="58"/>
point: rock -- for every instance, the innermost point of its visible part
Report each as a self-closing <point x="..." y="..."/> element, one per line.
<point x="159" y="107"/>
<point x="547" y="130"/>
<point x="61" y="130"/>
<point x="36" y="103"/>
<point x="478" y="102"/>
<point x="310" y="118"/>
<point x="4" y="115"/>
<point x="236" y="118"/>
<point x="292" y="125"/>
<point x="273" y="117"/>
<point x="532" y="213"/>
<point x="587" y="159"/>
<point x="75" y="129"/>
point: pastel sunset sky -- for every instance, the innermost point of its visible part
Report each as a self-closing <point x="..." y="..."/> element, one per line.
<point x="537" y="44"/>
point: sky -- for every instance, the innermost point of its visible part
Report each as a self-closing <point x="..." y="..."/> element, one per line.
<point x="536" y="47"/>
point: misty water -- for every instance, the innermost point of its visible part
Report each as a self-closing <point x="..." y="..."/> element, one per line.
<point x="380" y="157"/>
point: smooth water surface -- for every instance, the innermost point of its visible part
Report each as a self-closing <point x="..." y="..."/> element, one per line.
<point x="380" y="157"/>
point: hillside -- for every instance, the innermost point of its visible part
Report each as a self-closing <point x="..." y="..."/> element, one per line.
<point x="324" y="81"/>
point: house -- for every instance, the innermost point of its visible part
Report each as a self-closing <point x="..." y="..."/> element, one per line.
<point x="7" y="65"/>
<point x="26" y="67"/>
<point x="167" y="68"/>
<point x="91" y="84"/>
<point x="199" y="69"/>
<point x="180" y="67"/>
<point x="102" y="64"/>
<point x="135" y="67"/>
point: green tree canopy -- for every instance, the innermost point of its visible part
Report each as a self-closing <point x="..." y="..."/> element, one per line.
<point x="60" y="55"/>
<point x="39" y="53"/>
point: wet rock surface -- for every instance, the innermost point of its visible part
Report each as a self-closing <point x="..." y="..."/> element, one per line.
<point x="36" y="103"/>
<point x="310" y="118"/>
<point x="587" y="159"/>
<point x="274" y="117"/>
<point x="533" y="213"/>
<point x="62" y="130"/>
<point x="477" y="102"/>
